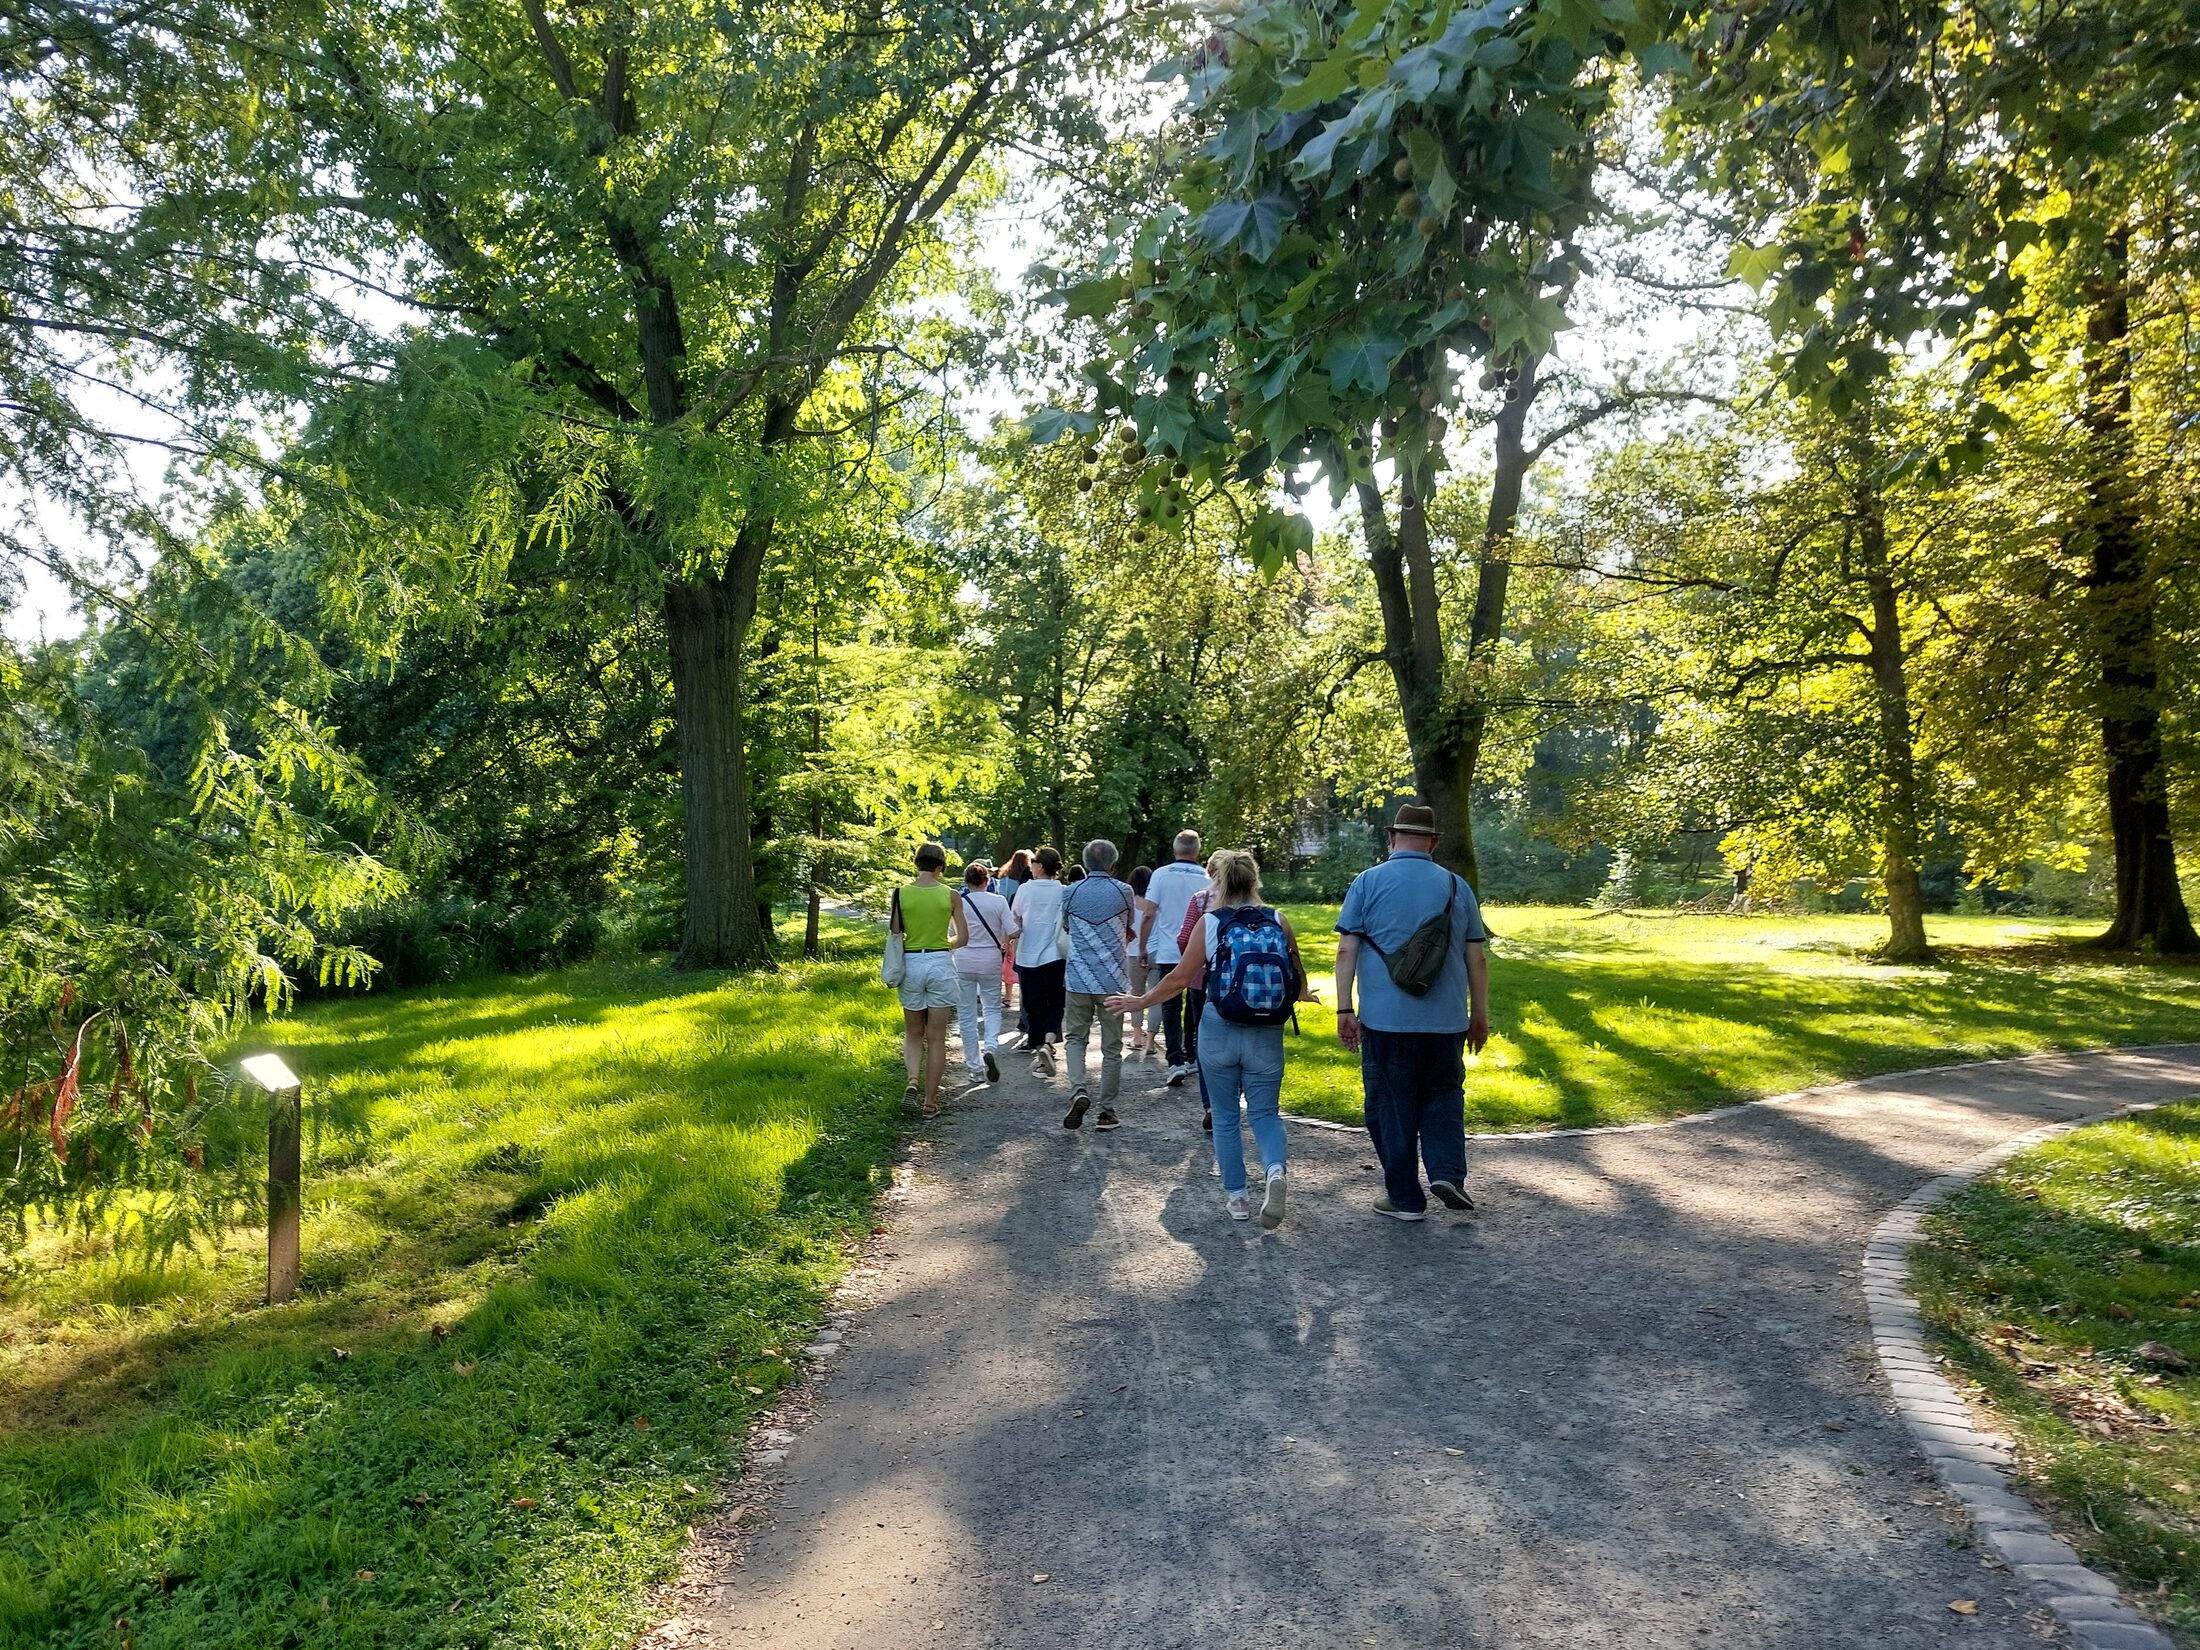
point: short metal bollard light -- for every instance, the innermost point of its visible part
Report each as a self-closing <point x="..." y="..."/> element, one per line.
<point x="283" y="1185"/>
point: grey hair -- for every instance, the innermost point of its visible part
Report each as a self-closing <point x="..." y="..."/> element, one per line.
<point x="1187" y="844"/>
<point x="1099" y="855"/>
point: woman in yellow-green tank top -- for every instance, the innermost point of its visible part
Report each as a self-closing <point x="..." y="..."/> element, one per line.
<point x="926" y="917"/>
<point x="929" y="920"/>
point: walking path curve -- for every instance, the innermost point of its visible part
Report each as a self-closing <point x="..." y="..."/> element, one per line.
<point x="1633" y="1401"/>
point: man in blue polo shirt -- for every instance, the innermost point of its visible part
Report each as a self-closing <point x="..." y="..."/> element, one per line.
<point x="1412" y="1068"/>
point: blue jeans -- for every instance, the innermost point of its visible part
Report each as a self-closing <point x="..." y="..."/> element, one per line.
<point x="1415" y="1083"/>
<point x="1248" y="1060"/>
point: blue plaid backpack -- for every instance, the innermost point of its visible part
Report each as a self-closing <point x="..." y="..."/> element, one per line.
<point x="1254" y="977"/>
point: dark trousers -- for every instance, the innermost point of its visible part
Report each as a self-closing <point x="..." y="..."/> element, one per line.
<point x="1415" y="1083"/>
<point x="1180" y="1026"/>
<point x="1044" y="996"/>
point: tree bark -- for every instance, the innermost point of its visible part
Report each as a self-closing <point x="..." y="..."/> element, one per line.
<point x="706" y="626"/>
<point x="1898" y="804"/>
<point x="814" y="906"/>
<point x="1444" y="733"/>
<point x="2120" y="610"/>
<point x="1413" y="648"/>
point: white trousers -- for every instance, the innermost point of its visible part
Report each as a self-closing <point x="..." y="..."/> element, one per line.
<point x="980" y="1012"/>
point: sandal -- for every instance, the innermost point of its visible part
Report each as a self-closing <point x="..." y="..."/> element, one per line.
<point x="931" y="1108"/>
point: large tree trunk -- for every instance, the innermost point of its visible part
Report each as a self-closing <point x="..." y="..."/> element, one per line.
<point x="1898" y="804"/>
<point x="1493" y="570"/>
<point x="706" y="624"/>
<point x="1444" y="733"/>
<point x="1413" y="647"/>
<point x="2120" y="591"/>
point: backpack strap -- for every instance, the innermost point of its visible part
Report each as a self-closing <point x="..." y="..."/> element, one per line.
<point x="982" y="923"/>
<point x="1451" y="899"/>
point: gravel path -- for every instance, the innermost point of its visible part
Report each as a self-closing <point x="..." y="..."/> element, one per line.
<point x="1631" y="1402"/>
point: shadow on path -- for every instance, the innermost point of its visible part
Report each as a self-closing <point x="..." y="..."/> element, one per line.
<point x="1631" y="1402"/>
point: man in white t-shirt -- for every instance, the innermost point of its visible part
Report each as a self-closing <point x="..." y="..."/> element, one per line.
<point x="1172" y="890"/>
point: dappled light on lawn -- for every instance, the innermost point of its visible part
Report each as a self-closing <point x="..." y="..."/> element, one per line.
<point x="558" y="1234"/>
<point x="1603" y="1019"/>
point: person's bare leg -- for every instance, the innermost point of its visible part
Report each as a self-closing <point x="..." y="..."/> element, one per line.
<point x="936" y="1042"/>
<point x="914" y="1023"/>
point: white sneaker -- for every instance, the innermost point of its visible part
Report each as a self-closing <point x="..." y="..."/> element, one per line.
<point x="1271" y="1206"/>
<point x="1177" y="1074"/>
<point x="1239" y="1208"/>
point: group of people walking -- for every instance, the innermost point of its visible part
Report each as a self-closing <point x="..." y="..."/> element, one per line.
<point x="1089" y="951"/>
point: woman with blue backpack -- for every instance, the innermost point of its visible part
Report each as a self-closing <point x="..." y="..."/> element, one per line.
<point x="1246" y="958"/>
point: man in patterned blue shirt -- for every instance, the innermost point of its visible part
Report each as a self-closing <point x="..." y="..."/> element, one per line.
<point x="1101" y="914"/>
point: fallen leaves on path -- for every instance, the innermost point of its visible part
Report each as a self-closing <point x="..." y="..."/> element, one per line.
<point x="1964" y="1606"/>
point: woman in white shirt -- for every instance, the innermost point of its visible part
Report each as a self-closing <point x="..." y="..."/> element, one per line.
<point x="1039" y="960"/>
<point x="978" y="970"/>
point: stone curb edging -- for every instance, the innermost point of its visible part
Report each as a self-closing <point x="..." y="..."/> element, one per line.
<point x="1788" y="1099"/>
<point x="1970" y="1460"/>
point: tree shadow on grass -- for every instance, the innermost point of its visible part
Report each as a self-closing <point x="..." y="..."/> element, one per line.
<point x="519" y="1475"/>
<point x="1619" y="1042"/>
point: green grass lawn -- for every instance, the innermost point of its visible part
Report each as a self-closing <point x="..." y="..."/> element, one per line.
<point x="560" y="1233"/>
<point x="2042" y="1282"/>
<point x="1620" y="1019"/>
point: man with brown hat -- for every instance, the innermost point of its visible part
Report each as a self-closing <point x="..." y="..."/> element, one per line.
<point x="1410" y="955"/>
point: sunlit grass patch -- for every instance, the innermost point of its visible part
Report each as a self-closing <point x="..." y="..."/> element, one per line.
<point x="2066" y="1286"/>
<point x="560" y="1233"/>
<point x="1620" y="1019"/>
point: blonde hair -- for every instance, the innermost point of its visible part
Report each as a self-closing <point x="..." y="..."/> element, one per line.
<point x="1236" y="876"/>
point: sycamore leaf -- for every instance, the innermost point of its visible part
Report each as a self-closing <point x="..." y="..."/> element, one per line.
<point x="1276" y="538"/>
<point x="1325" y="80"/>
<point x="1418" y="73"/>
<point x="1256" y="226"/>
<point x="1362" y="358"/>
<point x="1754" y="264"/>
<point x="1321" y="154"/>
<point x="1107" y="394"/>
<point x="1366" y="18"/>
<point x="1295" y="299"/>
<point x="1050" y="424"/>
<point x="1087" y="300"/>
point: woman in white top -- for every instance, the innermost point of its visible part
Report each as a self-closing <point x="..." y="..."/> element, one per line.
<point x="1142" y="1026"/>
<point x="978" y="968"/>
<point x="1039" y="960"/>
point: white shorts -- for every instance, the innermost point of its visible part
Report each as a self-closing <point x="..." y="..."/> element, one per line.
<point x="928" y="981"/>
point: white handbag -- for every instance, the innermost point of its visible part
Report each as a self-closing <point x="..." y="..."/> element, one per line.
<point x="895" y="963"/>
